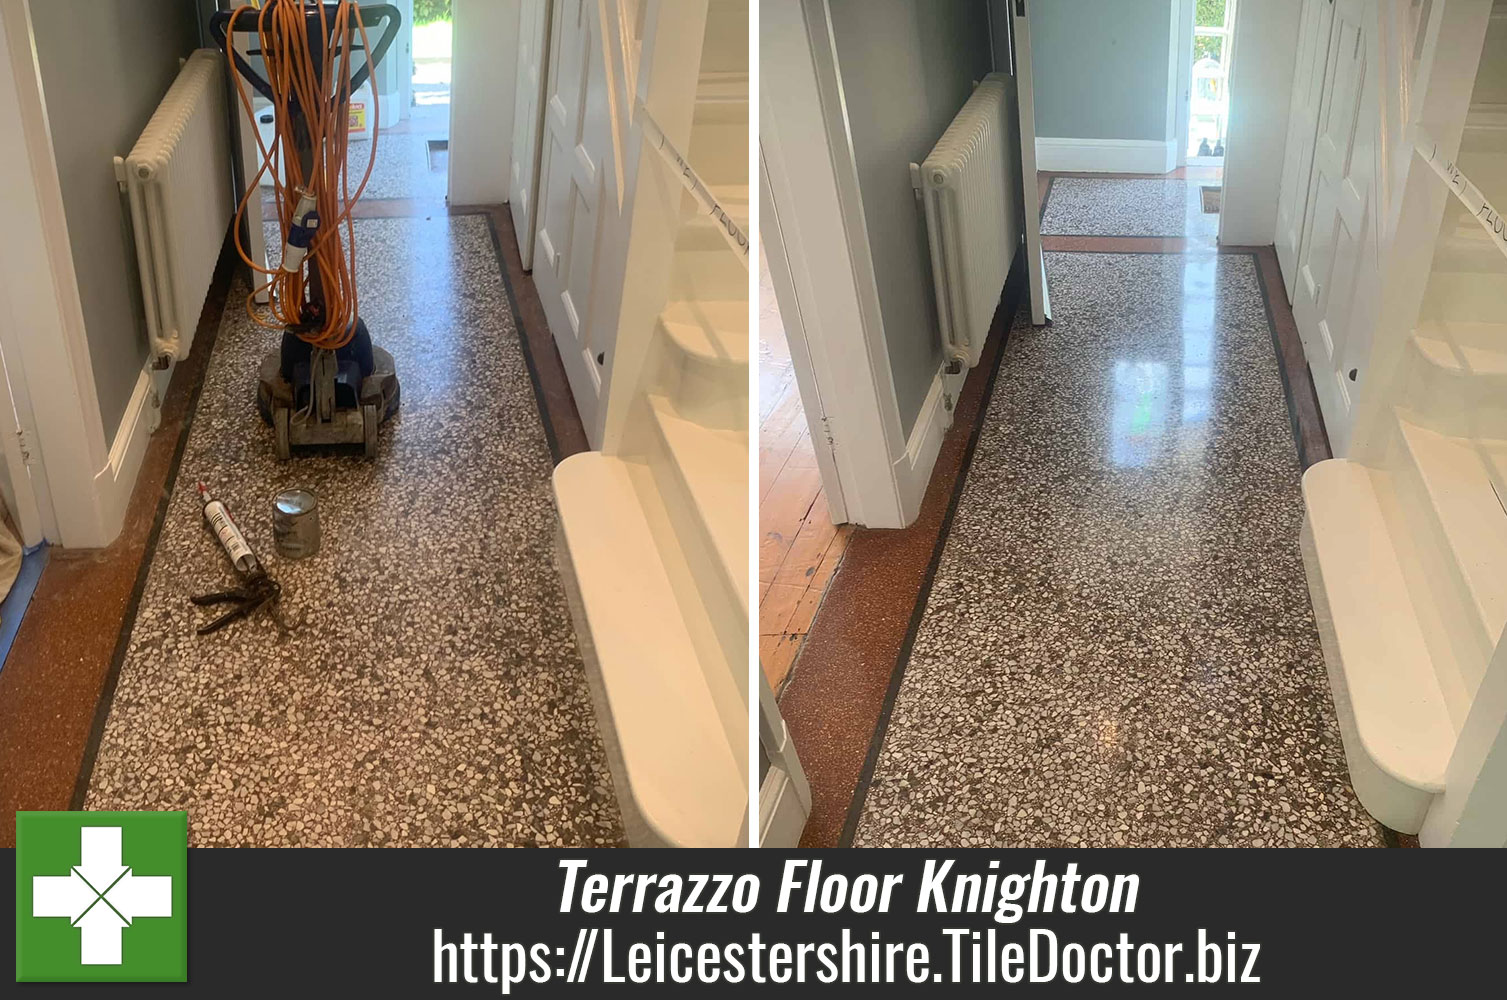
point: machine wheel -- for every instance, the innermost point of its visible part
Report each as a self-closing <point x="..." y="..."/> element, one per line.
<point x="370" y="419"/>
<point x="280" y="429"/>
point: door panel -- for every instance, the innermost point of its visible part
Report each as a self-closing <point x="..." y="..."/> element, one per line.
<point x="577" y="165"/>
<point x="1337" y="256"/>
<point x="528" y="111"/>
<point x="1302" y="126"/>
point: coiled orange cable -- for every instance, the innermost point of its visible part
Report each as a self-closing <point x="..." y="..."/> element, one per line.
<point x="283" y="37"/>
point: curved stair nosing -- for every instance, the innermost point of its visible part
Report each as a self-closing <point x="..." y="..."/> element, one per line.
<point x="1397" y="728"/>
<point x="670" y="752"/>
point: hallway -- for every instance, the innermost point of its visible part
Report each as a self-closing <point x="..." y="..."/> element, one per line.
<point x="1115" y="644"/>
<point x="393" y="714"/>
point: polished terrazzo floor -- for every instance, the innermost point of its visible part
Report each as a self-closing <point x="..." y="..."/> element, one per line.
<point x="1118" y="647"/>
<point x="1127" y="206"/>
<point x="433" y="694"/>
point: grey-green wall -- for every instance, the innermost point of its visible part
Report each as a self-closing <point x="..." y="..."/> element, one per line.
<point x="907" y="68"/>
<point x="1100" y="67"/>
<point x="105" y="65"/>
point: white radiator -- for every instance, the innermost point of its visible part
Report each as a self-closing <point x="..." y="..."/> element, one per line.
<point x="177" y="177"/>
<point x="966" y="184"/>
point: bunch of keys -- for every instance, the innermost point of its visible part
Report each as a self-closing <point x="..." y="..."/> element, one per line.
<point x="257" y="589"/>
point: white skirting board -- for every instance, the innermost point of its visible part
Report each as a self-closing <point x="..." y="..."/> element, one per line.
<point x="114" y="483"/>
<point x="913" y="469"/>
<point x="1110" y="156"/>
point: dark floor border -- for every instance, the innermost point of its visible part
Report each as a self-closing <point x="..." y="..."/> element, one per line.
<point x="540" y="399"/>
<point x="208" y="335"/>
<point x="1011" y="301"/>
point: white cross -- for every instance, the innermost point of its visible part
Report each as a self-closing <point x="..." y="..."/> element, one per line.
<point x="100" y="896"/>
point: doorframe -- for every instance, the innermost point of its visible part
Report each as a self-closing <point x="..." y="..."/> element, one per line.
<point x="1181" y="99"/>
<point x="772" y="241"/>
<point x="81" y="482"/>
<point x="816" y="241"/>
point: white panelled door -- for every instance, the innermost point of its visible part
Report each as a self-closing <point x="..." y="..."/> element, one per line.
<point x="576" y="170"/>
<point x="1302" y="124"/>
<point x="1337" y="253"/>
<point x="528" y="111"/>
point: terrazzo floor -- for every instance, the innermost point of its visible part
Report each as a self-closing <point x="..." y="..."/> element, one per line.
<point x="403" y="168"/>
<point x="1128" y="206"/>
<point x="1118" y="646"/>
<point x="433" y="693"/>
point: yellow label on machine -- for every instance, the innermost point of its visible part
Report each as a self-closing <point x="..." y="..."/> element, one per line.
<point x="357" y="121"/>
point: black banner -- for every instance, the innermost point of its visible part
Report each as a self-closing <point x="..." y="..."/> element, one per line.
<point x="389" y="923"/>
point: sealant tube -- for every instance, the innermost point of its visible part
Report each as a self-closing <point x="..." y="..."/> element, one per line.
<point x="217" y="516"/>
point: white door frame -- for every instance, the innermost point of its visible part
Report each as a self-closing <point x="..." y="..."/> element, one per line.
<point x="1025" y="97"/>
<point x="1180" y="100"/>
<point x="80" y="482"/>
<point x="773" y="241"/>
<point x="814" y="232"/>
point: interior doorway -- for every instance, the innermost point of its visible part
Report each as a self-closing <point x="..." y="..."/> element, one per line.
<point x="1209" y="88"/>
<point x="430" y="82"/>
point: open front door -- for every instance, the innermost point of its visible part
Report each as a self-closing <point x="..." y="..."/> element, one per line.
<point x="1041" y="303"/>
<point x="528" y="119"/>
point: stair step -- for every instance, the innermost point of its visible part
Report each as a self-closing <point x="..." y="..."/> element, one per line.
<point x="1465" y="506"/>
<point x="1485" y="130"/>
<point x="1386" y="688"/>
<point x="713" y="332"/>
<point x="673" y="767"/>
<point x="1464" y="246"/>
<point x="710" y="467"/>
<point x="1456" y="379"/>
<point x="1463" y="347"/>
<point x="720" y="93"/>
<point x="714" y="274"/>
<point x="719" y="142"/>
<point x="700" y="231"/>
<point x="1468" y="296"/>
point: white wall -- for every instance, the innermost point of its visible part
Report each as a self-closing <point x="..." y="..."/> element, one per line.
<point x="907" y="68"/>
<point x="1261" y="71"/>
<point x="484" y="64"/>
<point x="105" y="66"/>
<point x="1105" y="78"/>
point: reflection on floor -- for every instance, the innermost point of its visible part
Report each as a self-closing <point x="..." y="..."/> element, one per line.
<point x="1118" y="647"/>
<point x="433" y="694"/>
<point x="799" y="546"/>
<point x="1128" y="206"/>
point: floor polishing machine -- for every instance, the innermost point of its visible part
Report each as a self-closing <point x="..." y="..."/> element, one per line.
<point x="327" y="384"/>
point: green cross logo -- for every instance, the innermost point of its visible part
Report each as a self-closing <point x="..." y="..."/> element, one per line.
<point x="102" y="896"/>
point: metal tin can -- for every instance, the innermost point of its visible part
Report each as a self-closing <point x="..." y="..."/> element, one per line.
<point x="295" y="523"/>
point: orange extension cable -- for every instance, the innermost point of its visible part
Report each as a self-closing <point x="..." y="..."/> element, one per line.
<point x="282" y="32"/>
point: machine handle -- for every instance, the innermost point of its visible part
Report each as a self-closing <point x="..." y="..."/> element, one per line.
<point x="383" y="14"/>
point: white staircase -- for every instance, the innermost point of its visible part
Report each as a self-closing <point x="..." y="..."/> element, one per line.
<point x="654" y="531"/>
<point x="1405" y="541"/>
